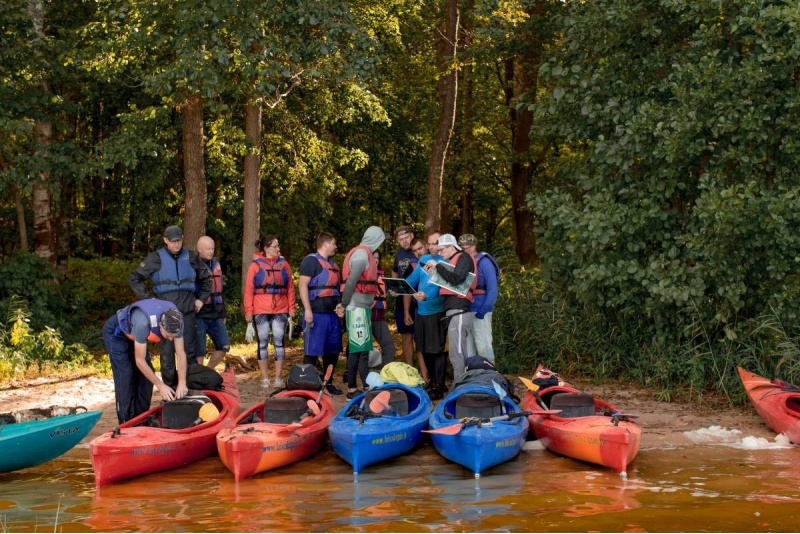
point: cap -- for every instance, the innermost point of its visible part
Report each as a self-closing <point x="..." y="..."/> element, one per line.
<point x="467" y="240"/>
<point x="172" y="322"/>
<point x="173" y="233"/>
<point x="448" y="239"/>
<point x="401" y="230"/>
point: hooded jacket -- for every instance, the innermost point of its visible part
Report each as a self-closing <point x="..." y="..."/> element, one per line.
<point x="359" y="260"/>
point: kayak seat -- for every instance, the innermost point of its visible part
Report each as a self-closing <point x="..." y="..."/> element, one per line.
<point x="182" y="413"/>
<point x="573" y="404"/>
<point x="398" y="400"/>
<point x="284" y="410"/>
<point x="479" y="405"/>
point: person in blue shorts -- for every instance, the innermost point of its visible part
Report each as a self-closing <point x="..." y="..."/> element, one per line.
<point x="319" y="287"/>
<point x="212" y="316"/>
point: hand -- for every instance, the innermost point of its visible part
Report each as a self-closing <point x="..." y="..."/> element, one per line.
<point x="166" y="392"/>
<point x="249" y="333"/>
<point x="420" y="296"/>
<point x="480" y="315"/>
<point x="392" y="293"/>
<point x="339" y="310"/>
<point x="181" y="391"/>
<point x="197" y="305"/>
<point x="308" y="315"/>
<point x="408" y="320"/>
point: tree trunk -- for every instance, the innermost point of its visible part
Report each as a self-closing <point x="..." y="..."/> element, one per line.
<point x="194" y="171"/>
<point x="467" y="178"/>
<point x="446" y="47"/>
<point x="21" y="224"/>
<point x="43" y="226"/>
<point x="251" y="223"/>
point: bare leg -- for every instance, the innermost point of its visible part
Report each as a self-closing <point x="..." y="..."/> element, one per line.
<point x="216" y="358"/>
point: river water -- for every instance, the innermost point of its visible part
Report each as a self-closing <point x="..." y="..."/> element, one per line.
<point x="697" y="488"/>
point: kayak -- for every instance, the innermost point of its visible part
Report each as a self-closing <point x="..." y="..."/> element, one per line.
<point x="587" y="428"/>
<point x="362" y="437"/>
<point x="36" y="442"/>
<point x="777" y="402"/>
<point x="261" y="441"/>
<point x="479" y="444"/>
<point x="141" y="446"/>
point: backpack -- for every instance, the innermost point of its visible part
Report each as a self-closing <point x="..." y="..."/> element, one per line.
<point x="304" y="376"/>
<point x="202" y="377"/>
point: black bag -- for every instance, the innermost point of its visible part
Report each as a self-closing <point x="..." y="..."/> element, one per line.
<point x="182" y="413"/>
<point x="202" y="377"/>
<point x="304" y="376"/>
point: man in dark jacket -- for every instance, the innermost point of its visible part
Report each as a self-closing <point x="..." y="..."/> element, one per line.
<point x="175" y="271"/>
<point x="212" y="316"/>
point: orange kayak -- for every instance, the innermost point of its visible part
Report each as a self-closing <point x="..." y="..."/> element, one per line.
<point x="590" y="432"/>
<point x="137" y="448"/>
<point x="253" y="445"/>
<point x="777" y="402"/>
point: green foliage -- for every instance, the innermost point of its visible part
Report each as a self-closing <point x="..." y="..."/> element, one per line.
<point x="29" y="278"/>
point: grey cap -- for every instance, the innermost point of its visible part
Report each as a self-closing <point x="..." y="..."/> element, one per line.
<point x="467" y="240"/>
<point x="173" y="233"/>
<point x="448" y="239"/>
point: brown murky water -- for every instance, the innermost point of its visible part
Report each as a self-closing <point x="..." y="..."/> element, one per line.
<point x="697" y="489"/>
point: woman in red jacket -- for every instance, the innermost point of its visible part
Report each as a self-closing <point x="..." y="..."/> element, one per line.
<point x="269" y="298"/>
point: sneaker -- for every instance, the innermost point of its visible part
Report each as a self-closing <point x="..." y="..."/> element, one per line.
<point x="265" y="383"/>
<point x="278" y="383"/>
<point x="333" y="390"/>
<point x="353" y="394"/>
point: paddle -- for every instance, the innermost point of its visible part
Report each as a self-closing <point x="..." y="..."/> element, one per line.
<point x="616" y="417"/>
<point x="535" y="390"/>
<point x="208" y="412"/>
<point x="313" y="409"/>
<point x="452" y="430"/>
<point x="328" y="375"/>
<point x="381" y="403"/>
<point x="501" y="392"/>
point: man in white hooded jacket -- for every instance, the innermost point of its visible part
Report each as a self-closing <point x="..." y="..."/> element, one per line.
<point x="360" y="276"/>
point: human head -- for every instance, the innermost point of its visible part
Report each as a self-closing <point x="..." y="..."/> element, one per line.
<point x="418" y="247"/>
<point x="326" y="244"/>
<point x="445" y="242"/>
<point x="433" y="245"/>
<point x="373" y="238"/>
<point x="173" y="239"/>
<point x="404" y="235"/>
<point x="205" y="248"/>
<point x="269" y="246"/>
<point x="377" y="255"/>
<point x="469" y="243"/>
<point x="171" y="324"/>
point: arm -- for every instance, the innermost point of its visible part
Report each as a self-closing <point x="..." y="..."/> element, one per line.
<point x="248" y="292"/>
<point x="139" y="353"/>
<point x="142" y="273"/>
<point x="180" y="365"/>
<point x="308" y="315"/>
<point x="203" y="278"/>
<point x="358" y="263"/>
<point x="490" y="276"/>
<point x="291" y="292"/>
<point x="464" y="266"/>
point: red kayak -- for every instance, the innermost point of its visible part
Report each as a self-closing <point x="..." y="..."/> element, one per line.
<point x="777" y="402"/>
<point x="287" y="433"/>
<point x="139" y="446"/>
<point x="587" y="429"/>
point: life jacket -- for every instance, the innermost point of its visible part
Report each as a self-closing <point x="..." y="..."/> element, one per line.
<point x="271" y="278"/>
<point x="153" y="308"/>
<point x="175" y="274"/>
<point x="326" y="283"/>
<point x="368" y="279"/>
<point x="480" y="287"/>
<point x="215" y="271"/>
<point x="380" y="297"/>
<point x="470" y="296"/>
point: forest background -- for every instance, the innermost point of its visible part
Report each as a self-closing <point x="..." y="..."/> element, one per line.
<point x="633" y="164"/>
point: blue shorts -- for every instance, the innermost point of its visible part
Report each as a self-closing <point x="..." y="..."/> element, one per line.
<point x="399" y="317"/>
<point x="215" y="328"/>
<point x="324" y="336"/>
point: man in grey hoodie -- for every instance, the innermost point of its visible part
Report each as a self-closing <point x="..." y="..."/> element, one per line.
<point x="360" y="275"/>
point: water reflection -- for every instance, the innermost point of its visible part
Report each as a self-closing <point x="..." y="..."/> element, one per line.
<point x="696" y="488"/>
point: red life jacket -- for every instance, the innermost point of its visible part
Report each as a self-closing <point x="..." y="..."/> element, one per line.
<point x="470" y="294"/>
<point x="380" y="297"/>
<point x="368" y="280"/>
<point x="215" y="271"/>
<point x="326" y="283"/>
<point x="272" y="278"/>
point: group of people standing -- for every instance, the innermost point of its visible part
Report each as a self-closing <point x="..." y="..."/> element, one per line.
<point x="188" y="305"/>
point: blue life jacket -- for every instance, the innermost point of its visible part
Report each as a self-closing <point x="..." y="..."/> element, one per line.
<point x="175" y="274"/>
<point x="271" y="278"/>
<point x="327" y="282"/>
<point x="153" y="308"/>
<point x="215" y="272"/>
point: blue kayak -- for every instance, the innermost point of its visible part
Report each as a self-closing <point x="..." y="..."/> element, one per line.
<point x="478" y="428"/>
<point x="36" y="442"/>
<point x="363" y="438"/>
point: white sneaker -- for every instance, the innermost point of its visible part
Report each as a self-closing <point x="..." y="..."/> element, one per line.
<point x="278" y="383"/>
<point x="265" y="383"/>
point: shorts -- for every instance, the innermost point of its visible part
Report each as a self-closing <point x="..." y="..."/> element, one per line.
<point x="399" y="317"/>
<point x="215" y="328"/>
<point x="323" y="336"/>
<point x="430" y="334"/>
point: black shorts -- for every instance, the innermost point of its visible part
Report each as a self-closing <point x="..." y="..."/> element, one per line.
<point x="399" y="316"/>
<point x="430" y="334"/>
